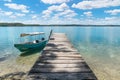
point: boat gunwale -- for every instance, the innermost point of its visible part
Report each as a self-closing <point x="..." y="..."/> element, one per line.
<point x="30" y="42"/>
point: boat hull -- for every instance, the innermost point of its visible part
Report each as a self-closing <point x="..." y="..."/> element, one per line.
<point x="27" y="46"/>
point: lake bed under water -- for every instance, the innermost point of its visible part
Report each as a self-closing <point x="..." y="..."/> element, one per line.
<point x="99" y="46"/>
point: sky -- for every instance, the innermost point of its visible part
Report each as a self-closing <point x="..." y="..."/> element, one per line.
<point x="60" y="11"/>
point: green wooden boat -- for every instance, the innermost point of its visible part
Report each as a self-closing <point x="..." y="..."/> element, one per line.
<point x="36" y="44"/>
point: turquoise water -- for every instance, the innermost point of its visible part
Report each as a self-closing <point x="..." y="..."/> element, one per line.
<point x="100" y="47"/>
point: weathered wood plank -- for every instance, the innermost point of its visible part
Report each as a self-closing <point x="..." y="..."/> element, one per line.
<point x="61" y="54"/>
<point x="60" y="61"/>
<point x="81" y="69"/>
<point x="65" y="55"/>
<point x="59" y="76"/>
<point x="40" y="65"/>
<point x="60" y="58"/>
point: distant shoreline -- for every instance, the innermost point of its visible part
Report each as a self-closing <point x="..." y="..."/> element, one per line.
<point x="21" y="24"/>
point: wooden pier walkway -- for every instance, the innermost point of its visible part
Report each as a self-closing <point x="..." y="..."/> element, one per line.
<point x="60" y="61"/>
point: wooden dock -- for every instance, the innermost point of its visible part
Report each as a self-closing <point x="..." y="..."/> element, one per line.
<point x="60" y="61"/>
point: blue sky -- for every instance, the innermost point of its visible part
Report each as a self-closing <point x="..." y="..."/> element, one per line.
<point x="60" y="11"/>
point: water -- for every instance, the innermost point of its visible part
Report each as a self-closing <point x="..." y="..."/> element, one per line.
<point x="100" y="47"/>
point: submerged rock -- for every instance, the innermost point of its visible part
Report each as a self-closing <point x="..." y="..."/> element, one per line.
<point x="14" y="76"/>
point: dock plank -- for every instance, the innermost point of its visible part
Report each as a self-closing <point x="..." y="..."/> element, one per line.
<point x="39" y="65"/>
<point x="61" y="58"/>
<point x="48" y="70"/>
<point x="59" y="76"/>
<point x="60" y="61"/>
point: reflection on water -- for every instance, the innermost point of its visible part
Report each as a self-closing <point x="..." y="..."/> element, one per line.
<point x="30" y="52"/>
<point x="100" y="47"/>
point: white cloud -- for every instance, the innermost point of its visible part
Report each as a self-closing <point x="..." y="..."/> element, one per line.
<point x="110" y="18"/>
<point x="46" y="13"/>
<point x="89" y="13"/>
<point x="58" y="8"/>
<point x="5" y="13"/>
<point x="54" y="1"/>
<point x="54" y="8"/>
<point x="34" y="16"/>
<point x="0" y="10"/>
<point x="12" y="16"/>
<point x="19" y="14"/>
<point x="57" y="11"/>
<point x="107" y="20"/>
<point x="15" y="6"/>
<point x="66" y="13"/>
<point x="8" y="0"/>
<point x="8" y="13"/>
<point x="16" y="15"/>
<point x="90" y="4"/>
<point x="113" y="12"/>
<point x="84" y="21"/>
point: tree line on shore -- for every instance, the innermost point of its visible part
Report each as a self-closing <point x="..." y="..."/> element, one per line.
<point x="21" y="24"/>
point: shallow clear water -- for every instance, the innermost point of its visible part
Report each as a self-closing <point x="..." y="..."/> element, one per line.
<point x="100" y="47"/>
